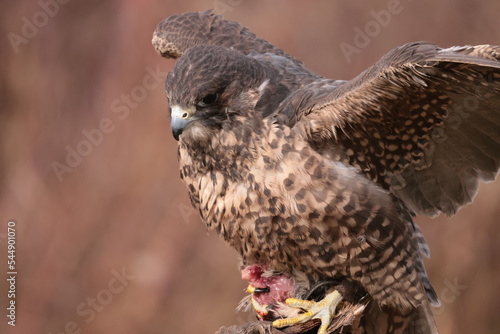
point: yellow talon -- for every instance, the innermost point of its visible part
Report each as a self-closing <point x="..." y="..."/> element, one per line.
<point x="260" y="309"/>
<point x="323" y="310"/>
<point x="299" y="303"/>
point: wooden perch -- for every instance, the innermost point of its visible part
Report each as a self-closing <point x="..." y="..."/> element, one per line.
<point x="266" y="327"/>
<point x="347" y="319"/>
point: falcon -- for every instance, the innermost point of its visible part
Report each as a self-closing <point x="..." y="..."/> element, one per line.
<point x="316" y="180"/>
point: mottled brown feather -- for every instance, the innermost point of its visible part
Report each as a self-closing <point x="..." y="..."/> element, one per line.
<point x="423" y="122"/>
<point x="318" y="178"/>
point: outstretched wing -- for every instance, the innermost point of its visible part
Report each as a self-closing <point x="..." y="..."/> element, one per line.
<point x="423" y="122"/>
<point x="177" y="33"/>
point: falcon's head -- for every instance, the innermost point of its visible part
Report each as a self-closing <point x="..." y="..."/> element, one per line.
<point x="209" y="87"/>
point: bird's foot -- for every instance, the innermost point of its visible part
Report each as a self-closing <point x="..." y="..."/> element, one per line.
<point x="323" y="310"/>
<point x="262" y="310"/>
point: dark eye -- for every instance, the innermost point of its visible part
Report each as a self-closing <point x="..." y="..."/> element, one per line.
<point x="208" y="100"/>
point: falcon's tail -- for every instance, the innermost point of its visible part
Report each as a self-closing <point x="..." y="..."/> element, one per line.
<point x="422" y="322"/>
<point x="377" y="321"/>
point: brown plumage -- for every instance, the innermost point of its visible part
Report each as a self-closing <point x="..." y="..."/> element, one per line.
<point x="319" y="178"/>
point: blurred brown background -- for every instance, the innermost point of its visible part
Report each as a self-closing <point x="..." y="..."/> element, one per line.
<point x="109" y="243"/>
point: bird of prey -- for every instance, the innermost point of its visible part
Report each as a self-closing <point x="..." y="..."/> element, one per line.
<point x="313" y="180"/>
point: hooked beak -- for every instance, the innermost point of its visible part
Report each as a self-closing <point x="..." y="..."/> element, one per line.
<point x="181" y="118"/>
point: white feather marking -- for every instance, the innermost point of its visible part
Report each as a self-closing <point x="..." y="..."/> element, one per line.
<point x="199" y="132"/>
<point x="263" y="86"/>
